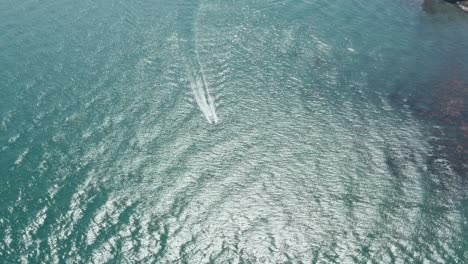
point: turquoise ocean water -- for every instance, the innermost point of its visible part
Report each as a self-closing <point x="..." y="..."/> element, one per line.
<point x="246" y="131"/>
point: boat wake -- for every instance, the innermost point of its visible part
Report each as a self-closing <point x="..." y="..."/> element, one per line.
<point x="188" y="44"/>
<point x="202" y="93"/>
<point x="201" y="90"/>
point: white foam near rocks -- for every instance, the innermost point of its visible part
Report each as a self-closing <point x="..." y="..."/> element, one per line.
<point x="463" y="5"/>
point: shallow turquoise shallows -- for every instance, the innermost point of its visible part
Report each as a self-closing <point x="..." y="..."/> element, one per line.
<point x="229" y="131"/>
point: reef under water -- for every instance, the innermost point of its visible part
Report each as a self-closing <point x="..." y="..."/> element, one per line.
<point x="440" y="99"/>
<point x="445" y="107"/>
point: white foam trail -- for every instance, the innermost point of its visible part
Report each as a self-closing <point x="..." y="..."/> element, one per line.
<point x="210" y="99"/>
<point x="202" y="94"/>
<point x="200" y="88"/>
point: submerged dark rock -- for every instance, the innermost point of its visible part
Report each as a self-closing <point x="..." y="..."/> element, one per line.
<point x="433" y="6"/>
<point x="445" y="106"/>
<point x="463" y="5"/>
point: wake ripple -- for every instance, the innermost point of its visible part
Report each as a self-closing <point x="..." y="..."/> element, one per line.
<point x="202" y="93"/>
<point x="196" y="75"/>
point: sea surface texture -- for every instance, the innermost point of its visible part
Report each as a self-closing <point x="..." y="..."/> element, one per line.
<point x="234" y="131"/>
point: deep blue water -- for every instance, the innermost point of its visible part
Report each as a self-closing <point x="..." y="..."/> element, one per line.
<point x="250" y="131"/>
